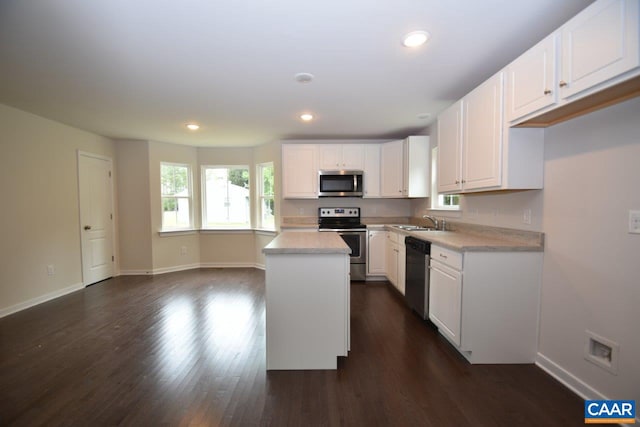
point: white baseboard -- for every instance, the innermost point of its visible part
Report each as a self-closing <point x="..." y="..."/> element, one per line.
<point x="175" y="268"/>
<point x="569" y="380"/>
<point x="573" y="383"/>
<point x="136" y="272"/>
<point x="228" y="265"/>
<point x="39" y="300"/>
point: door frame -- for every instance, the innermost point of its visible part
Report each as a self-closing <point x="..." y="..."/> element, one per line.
<point x="114" y="238"/>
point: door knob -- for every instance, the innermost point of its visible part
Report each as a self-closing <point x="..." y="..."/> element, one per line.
<point x="87" y="227"/>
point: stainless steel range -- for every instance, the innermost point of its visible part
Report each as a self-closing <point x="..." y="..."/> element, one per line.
<point x="346" y="222"/>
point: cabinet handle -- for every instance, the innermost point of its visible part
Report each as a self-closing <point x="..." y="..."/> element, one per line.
<point x="443" y="256"/>
<point x="547" y="91"/>
<point x="463" y="181"/>
<point x="457" y="182"/>
<point x="562" y="83"/>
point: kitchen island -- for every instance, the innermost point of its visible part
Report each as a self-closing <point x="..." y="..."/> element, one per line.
<point x="307" y="300"/>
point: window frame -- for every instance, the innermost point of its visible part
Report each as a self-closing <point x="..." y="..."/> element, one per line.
<point x="203" y="188"/>
<point x="189" y="197"/>
<point x="260" y="196"/>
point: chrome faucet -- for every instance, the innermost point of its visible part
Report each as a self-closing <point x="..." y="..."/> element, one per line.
<point x="433" y="220"/>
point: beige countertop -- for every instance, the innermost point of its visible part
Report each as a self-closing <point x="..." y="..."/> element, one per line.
<point x="464" y="242"/>
<point x="307" y="242"/>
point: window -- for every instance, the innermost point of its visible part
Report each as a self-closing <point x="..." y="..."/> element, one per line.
<point x="441" y="201"/>
<point x="225" y="193"/>
<point x="175" y="180"/>
<point x="266" y="203"/>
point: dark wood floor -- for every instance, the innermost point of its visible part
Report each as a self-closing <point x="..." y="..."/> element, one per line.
<point x="188" y="348"/>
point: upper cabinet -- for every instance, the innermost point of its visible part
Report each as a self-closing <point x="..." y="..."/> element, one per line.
<point x="405" y="168"/>
<point x="599" y="44"/>
<point x="371" y="170"/>
<point x="590" y="62"/>
<point x="341" y="156"/>
<point x="532" y="80"/>
<point x="299" y="171"/>
<point x="482" y="135"/>
<point x="478" y="152"/>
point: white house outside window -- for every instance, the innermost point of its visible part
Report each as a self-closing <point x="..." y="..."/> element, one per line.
<point x="175" y="180"/>
<point x="266" y="197"/>
<point x="226" y="197"/>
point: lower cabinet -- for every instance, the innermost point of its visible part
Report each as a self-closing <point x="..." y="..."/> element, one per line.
<point x="486" y="303"/>
<point x="376" y="252"/>
<point x="445" y="300"/>
<point x="396" y="260"/>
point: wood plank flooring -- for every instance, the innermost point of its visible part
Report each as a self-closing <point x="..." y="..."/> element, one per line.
<point x="188" y="348"/>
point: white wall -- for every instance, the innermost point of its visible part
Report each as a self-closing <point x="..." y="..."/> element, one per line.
<point x="134" y="206"/>
<point x="591" y="276"/>
<point x="39" y="215"/>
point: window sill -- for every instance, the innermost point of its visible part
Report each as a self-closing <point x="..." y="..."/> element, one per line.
<point x="187" y="232"/>
<point x="226" y="231"/>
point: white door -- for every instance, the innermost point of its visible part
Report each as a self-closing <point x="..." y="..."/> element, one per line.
<point x="450" y="149"/>
<point x="96" y="217"/>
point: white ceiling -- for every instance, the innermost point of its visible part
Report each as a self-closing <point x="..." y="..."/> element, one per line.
<point x="143" y="68"/>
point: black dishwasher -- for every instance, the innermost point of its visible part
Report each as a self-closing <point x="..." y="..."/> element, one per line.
<point x="417" y="275"/>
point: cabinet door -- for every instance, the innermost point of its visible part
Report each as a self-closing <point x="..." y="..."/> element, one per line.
<point x="599" y="43"/>
<point x="450" y="149"/>
<point x="391" y="264"/>
<point x="391" y="172"/>
<point x="299" y="171"/>
<point x="482" y="135"/>
<point x="402" y="265"/>
<point x="330" y="156"/>
<point x="353" y="157"/>
<point x="417" y="166"/>
<point x="376" y="253"/>
<point x="445" y="300"/>
<point x="531" y="79"/>
<point x="371" y="170"/>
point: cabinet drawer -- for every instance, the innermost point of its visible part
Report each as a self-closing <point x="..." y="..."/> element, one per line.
<point x="448" y="257"/>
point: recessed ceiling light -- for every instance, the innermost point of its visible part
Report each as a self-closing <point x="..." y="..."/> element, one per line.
<point x="415" y="38"/>
<point x="192" y="126"/>
<point x="303" y="77"/>
<point x="306" y="117"/>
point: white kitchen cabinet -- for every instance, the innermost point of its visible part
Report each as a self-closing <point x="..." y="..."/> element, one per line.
<point x="486" y="303"/>
<point x="376" y="252"/>
<point x="445" y="299"/>
<point x="532" y="79"/>
<point x="449" y="169"/>
<point x="391" y="255"/>
<point x="405" y="168"/>
<point x="396" y="260"/>
<point x="341" y="156"/>
<point x="599" y="44"/>
<point x="299" y="171"/>
<point x="371" y="170"/>
<point x="595" y="53"/>
<point x="477" y="151"/>
<point x="391" y="174"/>
<point x="402" y="265"/>
<point x="482" y="135"/>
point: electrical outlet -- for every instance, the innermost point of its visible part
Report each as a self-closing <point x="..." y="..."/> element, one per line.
<point x="183" y="250"/>
<point x="51" y="270"/>
<point x="526" y="216"/>
<point x="300" y="211"/>
<point x="634" y="222"/>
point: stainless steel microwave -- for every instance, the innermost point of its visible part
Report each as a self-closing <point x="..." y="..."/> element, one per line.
<point x="340" y="183"/>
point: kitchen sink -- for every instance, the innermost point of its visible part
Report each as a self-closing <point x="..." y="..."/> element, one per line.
<point x="413" y="228"/>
